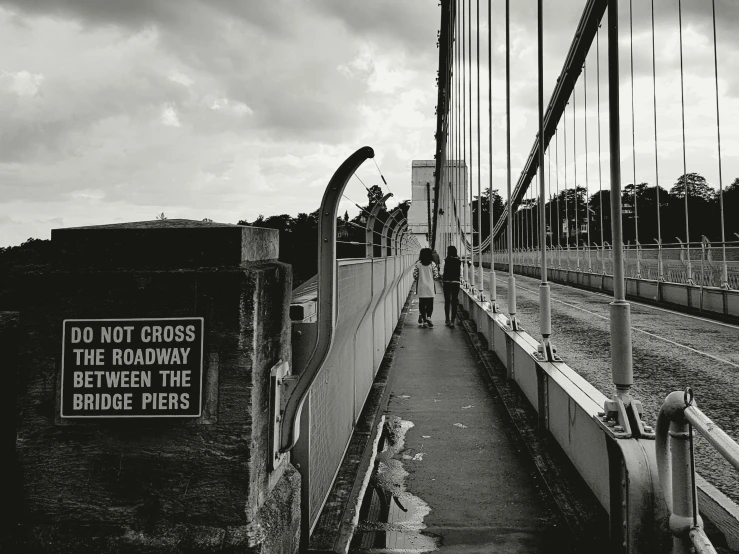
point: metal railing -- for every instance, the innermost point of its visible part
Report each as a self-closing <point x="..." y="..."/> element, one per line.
<point x="677" y="418"/>
<point x="668" y="262"/>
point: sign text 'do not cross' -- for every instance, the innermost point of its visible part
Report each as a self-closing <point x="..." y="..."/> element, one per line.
<point x="142" y="368"/>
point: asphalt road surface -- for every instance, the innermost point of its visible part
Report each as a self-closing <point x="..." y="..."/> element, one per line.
<point x="671" y="350"/>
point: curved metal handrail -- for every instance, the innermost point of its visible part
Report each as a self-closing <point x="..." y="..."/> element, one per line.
<point x="370" y="233"/>
<point x="326" y="307"/>
<point x="387" y="232"/>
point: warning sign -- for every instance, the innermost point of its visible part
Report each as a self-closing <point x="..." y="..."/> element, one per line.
<point x="132" y="367"/>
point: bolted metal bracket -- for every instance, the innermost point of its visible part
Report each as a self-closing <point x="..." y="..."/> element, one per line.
<point x="278" y="394"/>
<point x="621" y="421"/>
<point x="546" y="352"/>
<point x="514" y="325"/>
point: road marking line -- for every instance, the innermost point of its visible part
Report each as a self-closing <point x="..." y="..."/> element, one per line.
<point x="642" y="331"/>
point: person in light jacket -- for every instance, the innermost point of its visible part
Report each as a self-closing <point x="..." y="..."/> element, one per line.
<point x="425" y="273"/>
<point x="452" y="266"/>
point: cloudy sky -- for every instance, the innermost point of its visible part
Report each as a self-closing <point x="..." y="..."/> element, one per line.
<point x="117" y="110"/>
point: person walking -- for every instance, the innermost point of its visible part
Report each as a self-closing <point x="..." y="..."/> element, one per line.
<point x="425" y="273"/>
<point x="452" y="266"/>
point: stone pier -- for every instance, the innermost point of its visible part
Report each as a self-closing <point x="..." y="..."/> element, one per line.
<point x="182" y="483"/>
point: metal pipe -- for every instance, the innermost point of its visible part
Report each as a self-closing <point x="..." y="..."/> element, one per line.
<point x="574" y="156"/>
<point x="633" y="135"/>
<point x="491" y="204"/>
<point x="660" y="271"/>
<point x="472" y="223"/>
<point x="724" y="269"/>
<point x="621" y="352"/>
<point x="545" y="310"/>
<point x="479" y="184"/>
<point x="715" y="436"/>
<point x="511" y="278"/>
<point x="464" y="150"/>
<point x="685" y="170"/>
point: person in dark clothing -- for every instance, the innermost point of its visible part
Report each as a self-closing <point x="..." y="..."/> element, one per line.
<point x="452" y="267"/>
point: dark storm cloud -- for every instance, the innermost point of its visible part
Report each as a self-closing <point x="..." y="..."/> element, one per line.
<point x="264" y="54"/>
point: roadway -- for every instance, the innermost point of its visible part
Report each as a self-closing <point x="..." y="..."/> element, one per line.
<point x="671" y="350"/>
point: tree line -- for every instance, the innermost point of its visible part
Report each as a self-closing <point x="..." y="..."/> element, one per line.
<point x="569" y="212"/>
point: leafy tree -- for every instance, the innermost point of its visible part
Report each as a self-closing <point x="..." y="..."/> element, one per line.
<point x="702" y="210"/>
<point x="697" y="187"/>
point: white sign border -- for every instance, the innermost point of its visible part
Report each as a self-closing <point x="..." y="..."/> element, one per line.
<point x="202" y="370"/>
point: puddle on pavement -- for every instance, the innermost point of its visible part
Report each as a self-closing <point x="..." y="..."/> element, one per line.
<point x="391" y="518"/>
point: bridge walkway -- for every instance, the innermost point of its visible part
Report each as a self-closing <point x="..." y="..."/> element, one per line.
<point x="451" y="473"/>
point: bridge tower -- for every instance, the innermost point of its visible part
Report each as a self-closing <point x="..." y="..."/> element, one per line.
<point x="421" y="212"/>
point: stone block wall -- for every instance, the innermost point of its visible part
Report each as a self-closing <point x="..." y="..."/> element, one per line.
<point x="157" y="485"/>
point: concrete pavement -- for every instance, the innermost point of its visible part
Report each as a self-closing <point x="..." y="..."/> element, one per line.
<point x="451" y="474"/>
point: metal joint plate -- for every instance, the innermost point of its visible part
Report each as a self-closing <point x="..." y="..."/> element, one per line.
<point x="277" y="384"/>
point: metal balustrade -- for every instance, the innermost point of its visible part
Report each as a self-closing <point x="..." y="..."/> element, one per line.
<point x="649" y="262"/>
<point x="343" y="320"/>
<point x="675" y="452"/>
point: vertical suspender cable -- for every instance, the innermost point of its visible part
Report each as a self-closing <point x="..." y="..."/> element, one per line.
<point x="464" y="142"/>
<point x="633" y="140"/>
<point x="587" y="187"/>
<point x="567" y="200"/>
<point x="556" y="172"/>
<point x="459" y="143"/>
<point x="724" y="272"/>
<point x="621" y="353"/>
<point x="479" y="183"/>
<point x="511" y="278"/>
<point x="685" y="168"/>
<point x="493" y="295"/>
<point x="600" y="165"/>
<point x="574" y="156"/>
<point x="660" y="271"/>
<point x="549" y="196"/>
<point x="471" y="214"/>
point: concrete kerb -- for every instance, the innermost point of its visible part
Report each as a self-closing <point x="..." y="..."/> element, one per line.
<point x="576" y="427"/>
<point x="715" y="302"/>
<point x="567" y="407"/>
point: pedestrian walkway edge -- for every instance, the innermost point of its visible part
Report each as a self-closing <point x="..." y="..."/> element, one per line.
<point x="338" y="520"/>
<point x="580" y="510"/>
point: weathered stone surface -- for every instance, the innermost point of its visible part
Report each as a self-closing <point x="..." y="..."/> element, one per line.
<point x="156" y="485"/>
<point x="9" y="492"/>
<point x="172" y="243"/>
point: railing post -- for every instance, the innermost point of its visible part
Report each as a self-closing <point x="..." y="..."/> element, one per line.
<point x="676" y="475"/>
